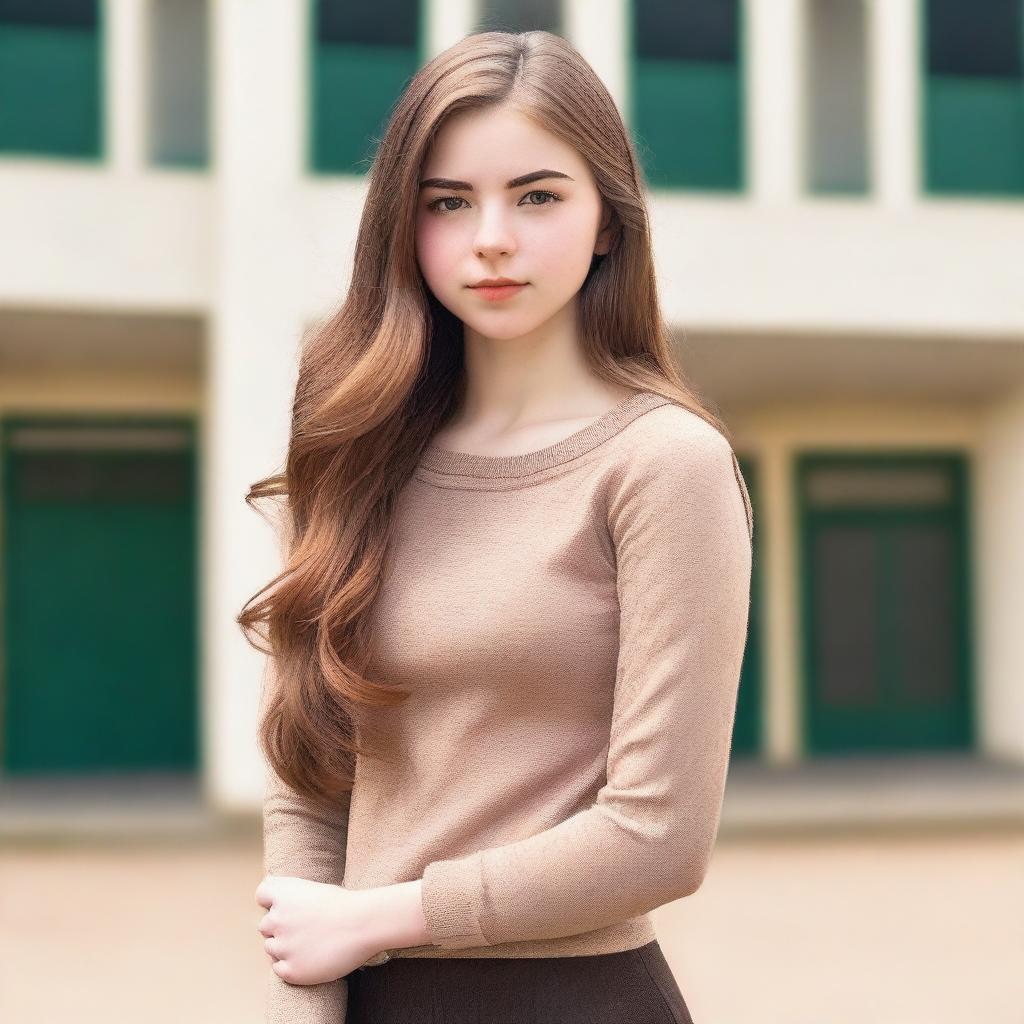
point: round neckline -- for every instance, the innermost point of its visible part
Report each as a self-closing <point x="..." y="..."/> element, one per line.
<point x="457" y="463"/>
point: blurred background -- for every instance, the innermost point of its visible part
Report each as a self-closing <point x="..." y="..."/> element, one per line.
<point x="837" y="196"/>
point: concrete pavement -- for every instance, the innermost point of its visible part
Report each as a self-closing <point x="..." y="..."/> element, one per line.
<point x="879" y="929"/>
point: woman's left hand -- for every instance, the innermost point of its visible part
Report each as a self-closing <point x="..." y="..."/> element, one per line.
<point x="315" y="932"/>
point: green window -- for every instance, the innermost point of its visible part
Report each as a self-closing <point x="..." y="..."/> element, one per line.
<point x="686" y="92"/>
<point x="973" y="96"/>
<point x="51" y="77"/>
<point x="363" y="55"/>
<point x="178" y="60"/>
<point x="519" y="16"/>
<point x="835" y="84"/>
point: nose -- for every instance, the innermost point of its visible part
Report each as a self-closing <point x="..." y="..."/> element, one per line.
<point x="494" y="236"/>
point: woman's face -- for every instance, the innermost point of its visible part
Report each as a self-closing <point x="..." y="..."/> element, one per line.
<point x="543" y="232"/>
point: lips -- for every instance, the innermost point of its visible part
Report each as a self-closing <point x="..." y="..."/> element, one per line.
<point x="496" y="282"/>
<point x="497" y="293"/>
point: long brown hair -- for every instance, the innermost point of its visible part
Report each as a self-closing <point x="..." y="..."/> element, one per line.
<point x="385" y="371"/>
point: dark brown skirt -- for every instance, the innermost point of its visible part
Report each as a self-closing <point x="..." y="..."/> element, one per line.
<point x="634" y="986"/>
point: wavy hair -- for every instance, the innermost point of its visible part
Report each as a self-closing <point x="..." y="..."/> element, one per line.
<point x="380" y="375"/>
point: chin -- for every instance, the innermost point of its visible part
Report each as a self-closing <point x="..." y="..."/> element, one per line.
<point x="498" y="331"/>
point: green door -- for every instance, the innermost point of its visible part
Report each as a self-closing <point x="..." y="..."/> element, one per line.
<point x="746" y="739"/>
<point x="885" y="602"/>
<point x="99" y="596"/>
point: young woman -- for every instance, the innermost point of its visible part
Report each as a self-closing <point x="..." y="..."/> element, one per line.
<point x="507" y="641"/>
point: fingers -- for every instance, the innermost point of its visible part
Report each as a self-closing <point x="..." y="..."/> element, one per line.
<point x="283" y="970"/>
<point x="264" y="894"/>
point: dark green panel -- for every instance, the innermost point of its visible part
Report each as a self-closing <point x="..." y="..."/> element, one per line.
<point x="345" y="134"/>
<point x="886" y="616"/>
<point x="100" y="588"/>
<point x="519" y="16"/>
<point x="58" y="13"/>
<point x="686" y="30"/>
<point x="360" y="63"/>
<point x="748" y="729"/>
<point x="687" y="120"/>
<point x="51" y="93"/>
<point x="974" y="129"/>
<point x="984" y="37"/>
<point x="382" y="23"/>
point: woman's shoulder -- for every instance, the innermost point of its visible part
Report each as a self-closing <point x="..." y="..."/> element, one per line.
<point x="671" y="459"/>
<point x="665" y="433"/>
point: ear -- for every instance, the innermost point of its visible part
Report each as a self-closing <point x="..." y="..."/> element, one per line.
<point x="605" y="232"/>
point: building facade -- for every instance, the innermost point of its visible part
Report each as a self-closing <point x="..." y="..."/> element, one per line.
<point x="837" y="197"/>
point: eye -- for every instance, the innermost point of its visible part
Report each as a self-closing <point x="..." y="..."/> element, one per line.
<point x="435" y="205"/>
<point x="541" y="192"/>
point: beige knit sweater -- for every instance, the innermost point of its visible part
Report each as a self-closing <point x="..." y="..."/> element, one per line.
<point x="571" y="623"/>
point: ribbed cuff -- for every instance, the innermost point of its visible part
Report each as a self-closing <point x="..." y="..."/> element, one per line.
<point x="453" y="895"/>
<point x="324" y="1003"/>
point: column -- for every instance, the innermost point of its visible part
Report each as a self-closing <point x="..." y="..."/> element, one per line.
<point x="774" y="33"/>
<point x="125" y="50"/>
<point x="259" y="54"/>
<point x="894" y="100"/>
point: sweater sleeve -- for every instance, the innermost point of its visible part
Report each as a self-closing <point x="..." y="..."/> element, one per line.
<point x="304" y="841"/>
<point x="681" y="526"/>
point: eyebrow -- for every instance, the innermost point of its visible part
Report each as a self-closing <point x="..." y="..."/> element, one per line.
<point x="464" y="186"/>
